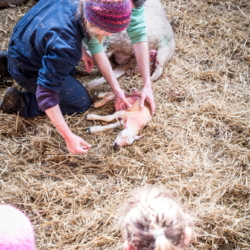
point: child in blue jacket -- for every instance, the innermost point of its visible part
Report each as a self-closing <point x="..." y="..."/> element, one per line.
<point x="45" y="47"/>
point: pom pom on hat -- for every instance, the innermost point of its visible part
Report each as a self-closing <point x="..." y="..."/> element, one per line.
<point x="109" y="15"/>
<point x="16" y="232"/>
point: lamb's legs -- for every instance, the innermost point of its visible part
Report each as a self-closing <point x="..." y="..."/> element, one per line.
<point x="106" y="118"/>
<point x="96" y="129"/>
<point x="101" y="95"/>
<point x="105" y="99"/>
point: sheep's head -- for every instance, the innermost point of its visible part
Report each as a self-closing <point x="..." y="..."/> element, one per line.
<point x="121" y="58"/>
<point x="126" y="137"/>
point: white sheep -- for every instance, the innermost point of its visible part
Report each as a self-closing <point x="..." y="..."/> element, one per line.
<point x="160" y="38"/>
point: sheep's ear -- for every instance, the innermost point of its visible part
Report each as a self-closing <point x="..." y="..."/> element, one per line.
<point x="138" y="137"/>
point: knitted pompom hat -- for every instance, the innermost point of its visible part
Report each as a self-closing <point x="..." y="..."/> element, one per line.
<point x="109" y="15"/>
<point x="16" y="232"/>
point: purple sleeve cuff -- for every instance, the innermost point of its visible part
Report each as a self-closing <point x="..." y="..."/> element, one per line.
<point x="46" y="98"/>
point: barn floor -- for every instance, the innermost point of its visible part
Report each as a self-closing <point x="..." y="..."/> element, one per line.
<point x="197" y="144"/>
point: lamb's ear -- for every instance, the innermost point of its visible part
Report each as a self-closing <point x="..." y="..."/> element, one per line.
<point x="135" y="91"/>
<point x="138" y="137"/>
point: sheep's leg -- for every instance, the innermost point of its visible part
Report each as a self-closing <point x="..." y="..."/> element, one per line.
<point x="103" y="101"/>
<point x="96" y="82"/>
<point x="118" y="72"/>
<point x="96" y="129"/>
<point x="164" y="54"/>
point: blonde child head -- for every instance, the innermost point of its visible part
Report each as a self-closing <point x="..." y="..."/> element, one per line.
<point x="152" y="220"/>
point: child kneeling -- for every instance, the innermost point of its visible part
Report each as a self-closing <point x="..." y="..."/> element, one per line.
<point x="152" y="220"/>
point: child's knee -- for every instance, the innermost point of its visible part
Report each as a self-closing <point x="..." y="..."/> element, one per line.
<point x="86" y="103"/>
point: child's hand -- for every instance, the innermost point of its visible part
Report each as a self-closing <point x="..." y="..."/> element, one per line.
<point x="76" y="144"/>
<point x="87" y="60"/>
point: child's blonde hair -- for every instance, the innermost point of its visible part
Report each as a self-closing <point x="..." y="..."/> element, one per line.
<point x="152" y="220"/>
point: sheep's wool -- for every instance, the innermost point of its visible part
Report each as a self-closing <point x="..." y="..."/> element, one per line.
<point x="110" y="16"/>
<point x="16" y="232"/>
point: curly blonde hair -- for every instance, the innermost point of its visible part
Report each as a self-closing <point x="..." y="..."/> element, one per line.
<point x="152" y="220"/>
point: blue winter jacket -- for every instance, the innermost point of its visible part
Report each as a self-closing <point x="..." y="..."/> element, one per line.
<point x="48" y="40"/>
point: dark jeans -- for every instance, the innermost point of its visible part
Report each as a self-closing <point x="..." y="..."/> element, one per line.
<point x="73" y="97"/>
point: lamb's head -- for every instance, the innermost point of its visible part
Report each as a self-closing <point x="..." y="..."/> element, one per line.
<point x="126" y="137"/>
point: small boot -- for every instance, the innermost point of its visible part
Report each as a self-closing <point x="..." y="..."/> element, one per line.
<point x="4" y="64"/>
<point x="13" y="101"/>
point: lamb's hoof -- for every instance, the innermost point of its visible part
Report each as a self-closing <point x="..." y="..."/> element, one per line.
<point x="86" y="116"/>
<point x="88" y="130"/>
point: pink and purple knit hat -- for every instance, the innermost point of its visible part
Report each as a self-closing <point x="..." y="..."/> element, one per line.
<point x="16" y="232"/>
<point x="109" y="15"/>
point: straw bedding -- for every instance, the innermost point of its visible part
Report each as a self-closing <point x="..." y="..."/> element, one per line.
<point x="197" y="144"/>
